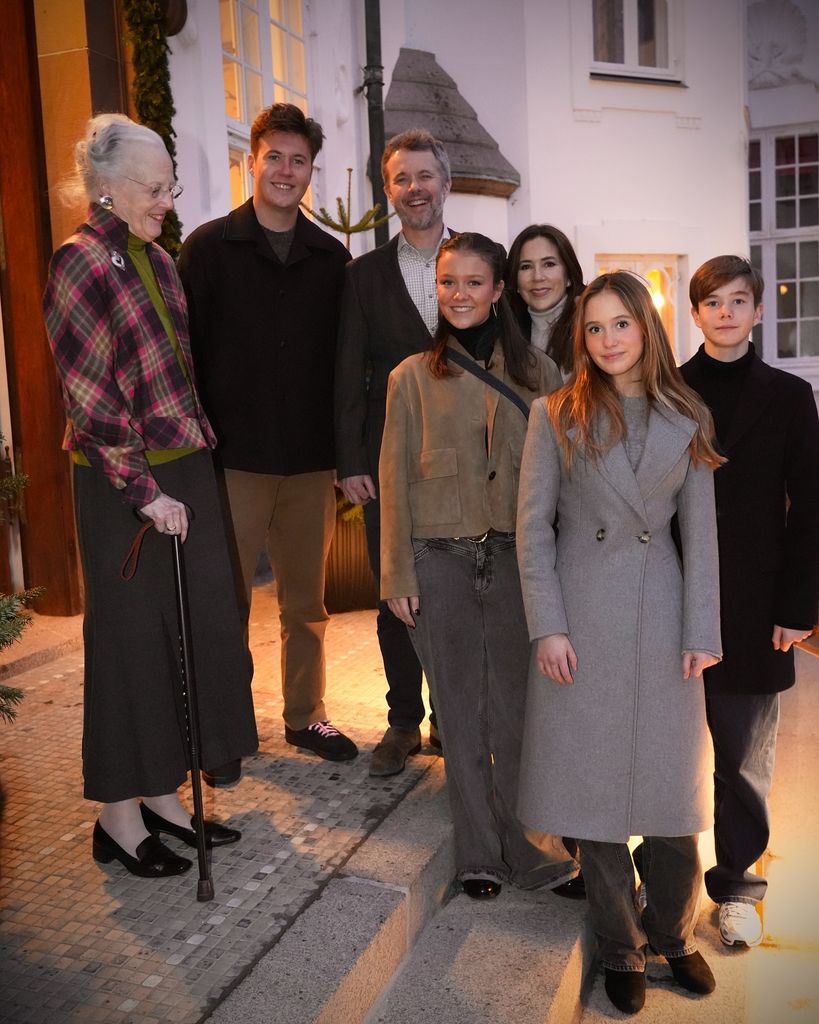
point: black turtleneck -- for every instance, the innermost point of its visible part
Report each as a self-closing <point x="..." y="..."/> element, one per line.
<point x="479" y="340"/>
<point x="721" y="385"/>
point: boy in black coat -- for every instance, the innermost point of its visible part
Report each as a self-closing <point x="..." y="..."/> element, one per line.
<point x="767" y="498"/>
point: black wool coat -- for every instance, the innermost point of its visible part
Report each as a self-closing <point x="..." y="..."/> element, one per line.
<point x="263" y="337"/>
<point x="380" y="327"/>
<point x="767" y="498"/>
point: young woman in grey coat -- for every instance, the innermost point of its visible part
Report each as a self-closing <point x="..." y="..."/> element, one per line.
<point x="624" y="625"/>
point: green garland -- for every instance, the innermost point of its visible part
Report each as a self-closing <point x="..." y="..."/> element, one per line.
<point x="153" y="99"/>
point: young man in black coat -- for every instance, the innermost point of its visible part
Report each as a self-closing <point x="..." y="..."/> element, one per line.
<point x="264" y="292"/>
<point x="767" y="497"/>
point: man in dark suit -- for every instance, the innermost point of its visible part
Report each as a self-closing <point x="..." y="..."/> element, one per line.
<point x="767" y="496"/>
<point x="390" y="311"/>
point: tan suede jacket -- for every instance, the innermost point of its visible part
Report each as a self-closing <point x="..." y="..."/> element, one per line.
<point x="450" y="459"/>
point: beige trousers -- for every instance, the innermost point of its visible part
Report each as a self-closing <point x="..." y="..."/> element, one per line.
<point x="295" y="517"/>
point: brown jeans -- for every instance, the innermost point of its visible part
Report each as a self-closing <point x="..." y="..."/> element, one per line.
<point x="294" y="516"/>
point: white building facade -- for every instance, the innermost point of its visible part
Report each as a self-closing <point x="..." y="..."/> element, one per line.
<point x="629" y="122"/>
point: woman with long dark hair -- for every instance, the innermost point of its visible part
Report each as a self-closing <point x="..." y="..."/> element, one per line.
<point x="449" y="475"/>
<point x="544" y="280"/>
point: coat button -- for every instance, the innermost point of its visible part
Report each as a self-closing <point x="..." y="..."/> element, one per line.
<point x="644" y="537"/>
<point x="601" y="534"/>
<point x="492" y="475"/>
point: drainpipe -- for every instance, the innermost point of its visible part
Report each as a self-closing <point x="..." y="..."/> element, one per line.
<point x="374" y="89"/>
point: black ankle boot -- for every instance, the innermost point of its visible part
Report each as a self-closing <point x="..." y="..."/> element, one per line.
<point x="692" y="973"/>
<point x="626" y="989"/>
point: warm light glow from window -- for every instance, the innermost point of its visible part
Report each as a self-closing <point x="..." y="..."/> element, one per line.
<point x="783" y="289"/>
<point x="655" y="286"/>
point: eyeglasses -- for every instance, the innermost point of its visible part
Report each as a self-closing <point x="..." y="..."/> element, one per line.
<point x="174" y="191"/>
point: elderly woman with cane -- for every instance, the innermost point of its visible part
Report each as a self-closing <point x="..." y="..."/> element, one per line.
<point x="140" y="443"/>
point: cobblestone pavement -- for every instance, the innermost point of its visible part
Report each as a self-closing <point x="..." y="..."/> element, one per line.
<point x="83" y="942"/>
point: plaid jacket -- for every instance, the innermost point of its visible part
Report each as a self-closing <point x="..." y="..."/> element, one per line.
<point x="123" y="387"/>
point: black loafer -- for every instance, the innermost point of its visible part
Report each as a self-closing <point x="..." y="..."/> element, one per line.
<point x="574" y="889"/>
<point x="481" y="888"/>
<point x="626" y="990"/>
<point x="153" y="859"/>
<point x="225" y="775"/>
<point x="692" y="973"/>
<point x="215" y="834"/>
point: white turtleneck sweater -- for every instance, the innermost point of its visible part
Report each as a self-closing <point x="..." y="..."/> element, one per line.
<point x="542" y="323"/>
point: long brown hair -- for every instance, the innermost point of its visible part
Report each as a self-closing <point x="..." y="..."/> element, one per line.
<point x="561" y="337"/>
<point x="520" y="361"/>
<point x="577" y="404"/>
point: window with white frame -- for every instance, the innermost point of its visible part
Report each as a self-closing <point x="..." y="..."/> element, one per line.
<point x="263" y="62"/>
<point x="662" y="275"/>
<point x="783" y="190"/>
<point x="635" y="39"/>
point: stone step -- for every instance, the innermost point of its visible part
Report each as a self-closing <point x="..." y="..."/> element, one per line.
<point x="524" y="958"/>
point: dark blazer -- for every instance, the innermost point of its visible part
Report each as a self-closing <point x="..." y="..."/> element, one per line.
<point x="380" y="327"/>
<point x="767" y="498"/>
<point x="263" y="336"/>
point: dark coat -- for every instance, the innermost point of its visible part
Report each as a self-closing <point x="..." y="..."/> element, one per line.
<point x="380" y="327"/>
<point x="768" y="552"/>
<point x="263" y="336"/>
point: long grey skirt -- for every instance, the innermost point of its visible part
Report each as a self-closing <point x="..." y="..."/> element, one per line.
<point x="135" y="736"/>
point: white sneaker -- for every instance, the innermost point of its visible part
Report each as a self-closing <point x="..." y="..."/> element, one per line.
<point x="739" y="923"/>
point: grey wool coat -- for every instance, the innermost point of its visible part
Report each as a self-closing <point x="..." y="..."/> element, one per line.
<point x="623" y="750"/>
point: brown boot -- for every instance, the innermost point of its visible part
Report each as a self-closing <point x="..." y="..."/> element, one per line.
<point x="392" y="752"/>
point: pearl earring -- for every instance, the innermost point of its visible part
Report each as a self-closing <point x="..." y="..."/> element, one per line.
<point x="106" y="202"/>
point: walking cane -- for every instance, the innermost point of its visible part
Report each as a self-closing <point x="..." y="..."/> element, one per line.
<point x="204" y="889"/>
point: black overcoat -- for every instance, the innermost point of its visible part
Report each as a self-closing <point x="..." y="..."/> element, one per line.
<point x="380" y="327"/>
<point x="767" y="497"/>
<point x="263" y="337"/>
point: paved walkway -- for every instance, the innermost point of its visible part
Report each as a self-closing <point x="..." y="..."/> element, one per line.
<point x="83" y="942"/>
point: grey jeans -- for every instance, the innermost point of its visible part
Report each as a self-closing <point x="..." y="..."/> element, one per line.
<point x="472" y="641"/>
<point x="670" y="868"/>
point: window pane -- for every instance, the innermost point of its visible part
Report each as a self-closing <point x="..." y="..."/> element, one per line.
<point x="786" y="260"/>
<point x="808" y="212"/>
<point x="808" y="181"/>
<point x="786" y="214"/>
<point x="786" y="182"/>
<point x="250" y="38"/>
<point x="809" y="298"/>
<point x="281" y="94"/>
<point x="786" y="300"/>
<point x="278" y="42"/>
<point x="608" y="31"/>
<point x="755" y="219"/>
<point x="756" y="337"/>
<point x="253" y="92"/>
<point x="238" y="179"/>
<point x="808" y="149"/>
<point x="753" y="153"/>
<point x="755" y="184"/>
<point x="233" y="97"/>
<point x="756" y="257"/>
<point x="298" y="79"/>
<point x="785" y="149"/>
<point x="809" y="338"/>
<point x="294" y="22"/>
<point x="809" y="259"/>
<point x="786" y="340"/>
<point x="277" y="10"/>
<point x="227" y="18"/>
<point x="652" y="33"/>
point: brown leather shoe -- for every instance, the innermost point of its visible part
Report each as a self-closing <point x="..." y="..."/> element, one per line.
<point x="392" y="752"/>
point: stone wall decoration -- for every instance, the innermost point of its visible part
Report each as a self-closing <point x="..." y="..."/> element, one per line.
<point x="777" y="34"/>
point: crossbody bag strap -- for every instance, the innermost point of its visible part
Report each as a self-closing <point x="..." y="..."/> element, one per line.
<point x="488" y="378"/>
